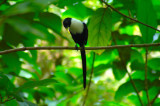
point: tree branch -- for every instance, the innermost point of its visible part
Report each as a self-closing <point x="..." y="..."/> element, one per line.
<point x="128" y="16"/>
<point x="85" y="98"/>
<point x="7" y="100"/>
<point x="153" y="100"/>
<point x="73" y="48"/>
<point x="2" y="2"/>
<point x="146" y="81"/>
<point x="130" y="77"/>
<point x="134" y="86"/>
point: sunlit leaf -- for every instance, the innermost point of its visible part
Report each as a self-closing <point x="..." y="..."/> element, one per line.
<point x="119" y="70"/>
<point x="62" y="3"/>
<point x="78" y="11"/>
<point x="51" y="20"/>
<point x="113" y="103"/>
<point x="10" y="61"/>
<point x="28" y="29"/>
<point x="27" y="6"/>
<point x="154" y="63"/>
<point x="147" y="15"/>
<point x="127" y="88"/>
<point x="99" y="27"/>
<point x="32" y="84"/>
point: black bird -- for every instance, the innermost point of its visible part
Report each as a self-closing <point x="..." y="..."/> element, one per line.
<point x="79" y="32"/>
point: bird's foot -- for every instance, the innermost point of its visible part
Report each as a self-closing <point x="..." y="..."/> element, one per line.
<point x="76" y="47"/>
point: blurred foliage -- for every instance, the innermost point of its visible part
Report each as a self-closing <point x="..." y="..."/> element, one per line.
<point x="54" y="77"/>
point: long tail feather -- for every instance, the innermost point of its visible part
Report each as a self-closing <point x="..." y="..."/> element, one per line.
<point x="83" y="56"/>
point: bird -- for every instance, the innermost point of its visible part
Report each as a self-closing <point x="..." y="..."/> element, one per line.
<point x="79" y="33"/>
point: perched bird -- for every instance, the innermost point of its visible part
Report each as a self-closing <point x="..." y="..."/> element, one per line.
<point x="79" y="32"/>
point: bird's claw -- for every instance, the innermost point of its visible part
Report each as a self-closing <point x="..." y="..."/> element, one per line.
<point x="76" y="47"/>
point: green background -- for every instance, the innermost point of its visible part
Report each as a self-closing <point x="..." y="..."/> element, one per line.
<point x="54" y="77"/>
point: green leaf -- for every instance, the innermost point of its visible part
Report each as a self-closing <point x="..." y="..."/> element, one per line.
<point x="32" y="84"/>
<point x="11" y="36"/>
<point x="78" y="11"/>
<point x="51" y="20"/>
<point x="99" y="28"/>
<point x="127" y="88"/>
<point x="127" y="4"/>
<point x="28" y="29"/>
<point x="136" y="55"/>
<point x="62" y="3"/>
<point x="100" y="69"/>
<point x="32" y="62"/>
<point x="154" y="63"/>
<point x="5" y="83"/>
<point x="134" y="99"/>
<point x="137" y="66"/>
<point x="13" y="102"/>
<point x="27" y="6"/>
<point x="141" y="75"/>
<point x="119" y="70"/>
<point x="112" y="103"/>
<point x="11" y="63"/>
<point x="147" y="15"/>
<point x="106" y="57"/>
<point x="64" y="78"/>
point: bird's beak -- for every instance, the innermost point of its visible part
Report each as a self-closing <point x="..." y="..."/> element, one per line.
<point x="67" y="29"/>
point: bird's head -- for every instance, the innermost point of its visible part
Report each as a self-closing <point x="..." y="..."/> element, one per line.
<point x="67" y="22"/>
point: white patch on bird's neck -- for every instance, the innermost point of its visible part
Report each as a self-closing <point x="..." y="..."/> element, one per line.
<point x="76" y="26"/>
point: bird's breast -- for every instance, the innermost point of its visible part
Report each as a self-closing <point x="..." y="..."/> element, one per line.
<point x="76" y="27"/>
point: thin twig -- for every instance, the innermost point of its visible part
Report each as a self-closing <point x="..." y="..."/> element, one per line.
<point x="90" y="79"/>
<point x="4" y="1"/>
<point x="7" y="100"/>
<point x="153" y="100"/>
<point x="128" y="16"/>
<point x="0" y="98"/>
<point x="73" y="48"/>
<point x="134" y="86"/>
<point x="131" y="80"/>
<point x="146" y="81"/>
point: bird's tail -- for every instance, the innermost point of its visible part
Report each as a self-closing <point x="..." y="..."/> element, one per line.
<point x="83" y="56"/>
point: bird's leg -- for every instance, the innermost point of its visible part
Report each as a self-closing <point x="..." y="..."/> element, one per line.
<point x="76" y="47"/>
<point x="82" y="48"/>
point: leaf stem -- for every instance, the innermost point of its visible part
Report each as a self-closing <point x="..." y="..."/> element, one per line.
<point x="153" y="100"/>
<point x="146" y="81"/>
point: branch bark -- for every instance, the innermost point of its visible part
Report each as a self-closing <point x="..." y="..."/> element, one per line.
<point x="128" y="16"/>
<point x="73" y="48"/>
<point x="146" y="80"/>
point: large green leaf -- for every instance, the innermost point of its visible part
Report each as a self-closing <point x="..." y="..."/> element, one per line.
<point x="127" y="88"/>
<point x="64" y="78"/>
<point x="11" y="36"/>
<point x="51" y="20"/>
<point x="99" y="27"/>
<point x="141" y="75"/>
<point x="5" y="83"/>
<point x="78" y="11"/>
<point x="32" y="84"/>
<point x="124" y="4"/>
<point x="29" y="30"/>
<point x="10" y="62"/>
<point x="154" y="63"/>
<point x="27" y="6"/>
<point x="62" y="3"/>
<point x="134" y="99"/>
<point x="112" y="103"/>
<point x="147" y="15"/>
<point x="119" y="70"/>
